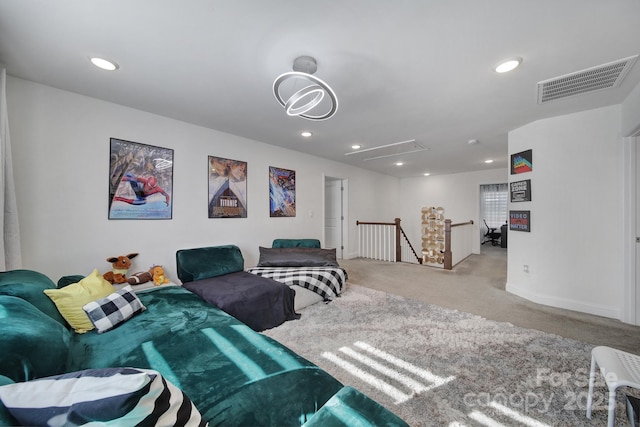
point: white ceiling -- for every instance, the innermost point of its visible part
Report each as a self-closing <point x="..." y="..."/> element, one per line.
<point x="402" y="69"/>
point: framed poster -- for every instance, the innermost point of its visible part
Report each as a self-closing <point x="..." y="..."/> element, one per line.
<point x="520" y="191"/>
<point x="227" y="188"/>
<point x="522" y="162"/>
<point x="140" y="181"/>
<point x="520" y="221"/>
<point x="282" y="192"/>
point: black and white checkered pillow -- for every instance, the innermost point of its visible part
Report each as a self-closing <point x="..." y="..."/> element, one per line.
<point x="110" y="311"/>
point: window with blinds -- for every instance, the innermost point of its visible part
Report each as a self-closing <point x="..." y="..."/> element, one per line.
<point x="493" y="204"/>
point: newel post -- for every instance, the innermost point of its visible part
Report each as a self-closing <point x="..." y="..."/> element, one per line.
<point x="447" y="245"/>
<point x="398" y="246"/>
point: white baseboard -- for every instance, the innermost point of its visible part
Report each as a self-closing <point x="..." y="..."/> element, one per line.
<point x="350" y="255"/>
<point x="567" y="304"/>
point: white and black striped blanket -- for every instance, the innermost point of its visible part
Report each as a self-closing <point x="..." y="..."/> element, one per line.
<point x="328" y="282"/>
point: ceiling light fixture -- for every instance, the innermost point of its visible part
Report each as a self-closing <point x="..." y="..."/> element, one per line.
<point x="304" y="95"/>
<point x="399" y="163"/>
<point x="488" y="161"/>
<point x="104" y="64"/>
<point x="356" y="146"/>
<point x="426" y="174"/>
<point x="508" y="65"/>
<point x="306" y="134"/>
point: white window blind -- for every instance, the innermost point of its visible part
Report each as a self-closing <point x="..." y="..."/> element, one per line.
<point x="493" y="204"/>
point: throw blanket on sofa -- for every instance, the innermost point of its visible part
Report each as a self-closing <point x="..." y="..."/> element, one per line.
<point x="259" y="302"/>
<point x="328" y="282"/>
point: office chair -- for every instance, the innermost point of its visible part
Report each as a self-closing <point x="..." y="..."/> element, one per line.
<point x="491" y="235"/>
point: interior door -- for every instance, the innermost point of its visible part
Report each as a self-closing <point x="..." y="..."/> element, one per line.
<point x="333" y="216"/>
<point x="637" y="311"/>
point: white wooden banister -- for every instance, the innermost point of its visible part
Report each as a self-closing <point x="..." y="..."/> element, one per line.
<point x="387" y="241"/>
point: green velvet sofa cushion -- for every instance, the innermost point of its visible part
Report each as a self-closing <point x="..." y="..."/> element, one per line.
<point x="295" y="243"/>
<point x="29" y="285"/>
<point x="350" y="408"/>
<point x="228" y="370"/>
<point x="69" y="280"/>
<point x="32" y="344"/>
<point x="203" y="263"/>
<point x="297" y="257"/>
<point x="283" y="399"/>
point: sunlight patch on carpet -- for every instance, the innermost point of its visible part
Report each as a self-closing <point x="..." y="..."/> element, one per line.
<point x="515" y="415"/>
<point x="423" y="373"/>
<point x="361" y="364"/>
<point x="485" y="419"/>
<point x="488" y="421"/>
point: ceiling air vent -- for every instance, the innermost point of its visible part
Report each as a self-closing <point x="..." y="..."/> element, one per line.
<point x="388" y="150"/>
<point x="596" y="78"/>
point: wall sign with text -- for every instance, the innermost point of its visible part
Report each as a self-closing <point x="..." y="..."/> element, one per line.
<point x="520" y="221"/>
<point x="520" y="191"/>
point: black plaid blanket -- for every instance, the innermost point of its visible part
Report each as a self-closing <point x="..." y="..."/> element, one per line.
<point x="328" y="282"/>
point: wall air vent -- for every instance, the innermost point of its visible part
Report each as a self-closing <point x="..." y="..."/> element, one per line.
<point x="604" y="76"/>
<point x="388" y="150"/>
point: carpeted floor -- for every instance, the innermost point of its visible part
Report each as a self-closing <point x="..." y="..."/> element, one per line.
<point x="477" y="285"/>
<point x="435" y="366"/>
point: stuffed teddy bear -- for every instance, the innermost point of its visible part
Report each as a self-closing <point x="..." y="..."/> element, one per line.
<point x="120" y="266"/>
<point x="158" y="275"/>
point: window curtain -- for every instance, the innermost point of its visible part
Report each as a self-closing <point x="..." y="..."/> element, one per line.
<point x="493" y="205"/>
<point x="11" y="257"/>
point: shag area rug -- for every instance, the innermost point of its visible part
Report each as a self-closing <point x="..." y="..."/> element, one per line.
<point x="439" y="367"/>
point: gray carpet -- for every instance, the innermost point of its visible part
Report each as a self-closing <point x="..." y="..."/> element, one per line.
<point x="477" y="285"/>
<point x="434" y="366"/>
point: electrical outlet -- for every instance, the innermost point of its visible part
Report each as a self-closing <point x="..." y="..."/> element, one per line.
<point x="525" y="268"/>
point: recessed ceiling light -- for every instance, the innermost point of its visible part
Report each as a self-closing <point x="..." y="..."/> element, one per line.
<point x="306" y="134"/>
<point x="356" y="146"/>
<point x="488" y="161"/>
<point x="104" y="64"/>
<point x="508" y="65"/>
<point x="426" y="174"/>
<point x="399" y="163"/>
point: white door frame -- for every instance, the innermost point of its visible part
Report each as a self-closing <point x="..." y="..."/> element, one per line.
<point x="345" y="217"/>
<point x="630" y="168"/>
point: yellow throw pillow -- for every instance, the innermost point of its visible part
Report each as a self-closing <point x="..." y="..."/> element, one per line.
<point x="71" y="298"/>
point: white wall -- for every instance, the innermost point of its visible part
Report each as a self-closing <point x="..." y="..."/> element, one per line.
<point x="458" y="194"/>
<point x="631" y="113"/>
<point x="60" y="143"/>
<point x="574" y="249"/>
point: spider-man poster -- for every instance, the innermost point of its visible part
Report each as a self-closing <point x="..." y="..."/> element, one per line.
<point x="282" y="192"/>
<point x="140" y="181"/>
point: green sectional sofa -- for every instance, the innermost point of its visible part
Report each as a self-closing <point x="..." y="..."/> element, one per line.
<point x="232" y="374"/>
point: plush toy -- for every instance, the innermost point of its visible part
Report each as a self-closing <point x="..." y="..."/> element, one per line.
<point x="158" y="275"/>
<point x="120" y="266"/>
<point x="139" y="278"/>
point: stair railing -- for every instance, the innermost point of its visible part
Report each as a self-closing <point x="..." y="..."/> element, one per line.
<point x="385" y="241"/>
<point x="462" y="244"/>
